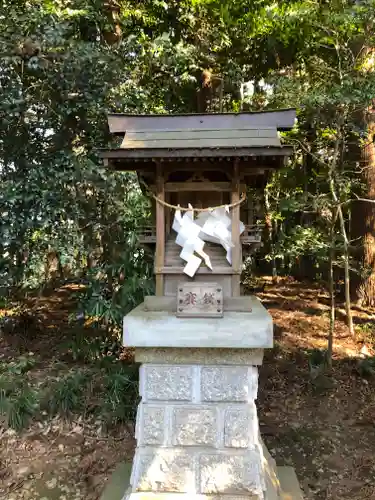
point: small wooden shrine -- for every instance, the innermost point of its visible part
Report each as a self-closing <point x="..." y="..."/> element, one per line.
<point x="206" y="160"/>
<point x="198" y="341"/>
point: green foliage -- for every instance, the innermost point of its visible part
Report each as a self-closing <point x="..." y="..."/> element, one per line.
<point x="18" y="401"/>
<point x="366" y="367"/>
<point x="68" y="394"/>
<point x="367" y="332"/>
<point x="21" y="408"/>
<point x="107" y="390"/>
<point x="19" y="366"/>
<point x="64" y="216"/>
<point x="120" y="393"/>
<point x="114" y="290"/>
<point x="86" y="348"/>
<point x="3" y="302"/>
<point x="301" y="241"/>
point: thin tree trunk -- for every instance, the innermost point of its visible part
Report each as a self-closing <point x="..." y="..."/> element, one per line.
<point x="348" y="309"/>
<point x="331" y="282"/>
<point x="269" y="226"/>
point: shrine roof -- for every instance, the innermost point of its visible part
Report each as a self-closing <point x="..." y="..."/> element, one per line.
<point x="199" y="135"/>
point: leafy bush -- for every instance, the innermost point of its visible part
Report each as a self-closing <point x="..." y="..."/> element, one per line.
<point x="18" y="402"/>
<point x="111" y="394"/>
<point x="317" y="359"/>
<point x="114" y="290"/>
<point x="366" y="367"/>
<point x="107" y="390"/>
<point x="120" y="393"/>
<point x="367" y="331"/>
<point x="89" y="349"/>
<point x="67" y="395"/>
<point x="19" y="366"/>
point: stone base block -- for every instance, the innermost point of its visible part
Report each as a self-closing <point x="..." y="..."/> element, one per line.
<point x="198" y="435"/>
<point x="199" y="472"/>
<point x="178" y="496"/>
<point x="119" y="482"/>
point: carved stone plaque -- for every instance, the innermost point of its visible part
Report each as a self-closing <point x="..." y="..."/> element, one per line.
<point x="199" y="300"/>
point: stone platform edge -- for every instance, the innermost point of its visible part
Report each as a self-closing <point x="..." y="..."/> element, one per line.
<point x="118" y="483"/>
<point x="246" y="324"/>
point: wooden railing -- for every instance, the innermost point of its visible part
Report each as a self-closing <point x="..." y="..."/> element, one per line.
<point x="147" y="234"/>
<point x="252" y="234"/>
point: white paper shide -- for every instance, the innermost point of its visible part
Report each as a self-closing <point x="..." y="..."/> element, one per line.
<point x="213" y="226"/>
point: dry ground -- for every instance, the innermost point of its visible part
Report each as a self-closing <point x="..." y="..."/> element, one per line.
<point x="324" y="427"/>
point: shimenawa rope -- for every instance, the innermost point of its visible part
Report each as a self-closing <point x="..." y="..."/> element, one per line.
<point x="188" y="209"/>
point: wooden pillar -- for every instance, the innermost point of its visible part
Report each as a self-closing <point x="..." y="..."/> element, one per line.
<point x="168" y="214"/>
<point x="236" y="250"/>
<point x="160" y="231"/>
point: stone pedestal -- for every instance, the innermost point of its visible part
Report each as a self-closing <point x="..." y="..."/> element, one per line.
<point x="197" y="428"/>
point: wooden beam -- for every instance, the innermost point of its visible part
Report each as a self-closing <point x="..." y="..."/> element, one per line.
<point x="202" y="270"/>
<point x="202" y="143"/>
<point x="236" y="250"/>
<point x="171" y="187"/>
<point x="195" y="187"/>
<point x="195" y="153"/>
<point x="204" y="165"/>
<point x="160" y="231"/>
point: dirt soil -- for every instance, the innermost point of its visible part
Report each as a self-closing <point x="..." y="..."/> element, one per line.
<point x="322" y="424"/>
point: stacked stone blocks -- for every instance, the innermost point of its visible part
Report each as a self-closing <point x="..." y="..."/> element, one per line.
<point x="197" y="433"/>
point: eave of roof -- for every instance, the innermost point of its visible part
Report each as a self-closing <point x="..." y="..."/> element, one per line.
<point x="205" y="152"/>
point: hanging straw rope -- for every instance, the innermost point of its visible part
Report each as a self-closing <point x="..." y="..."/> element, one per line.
<point x="209" y="209"/>
<point x="188" y="209"/>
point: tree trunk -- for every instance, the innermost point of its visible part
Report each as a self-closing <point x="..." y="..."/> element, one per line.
<point x="366" y="287"/>
<point x="331" y="294"/>
<point x="336" y="201"/>
<point x="270" y="234"/>
<point x="363" y="213"/>
<point x="348" y="307"/>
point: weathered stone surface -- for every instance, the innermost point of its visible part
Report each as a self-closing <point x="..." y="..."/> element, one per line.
<point x="152" y="425"/>
<point x="166" y="383"/>
<point x="191" y="496"/>
<point x="194" y="426"/>
<point x="229" y="383"/>
<point x="230" y="474"/>
<point x="253" y="329"/>
<point x="165" y="470"/>
<point x="205" y="356"/>
<point x="240" y="427"/>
